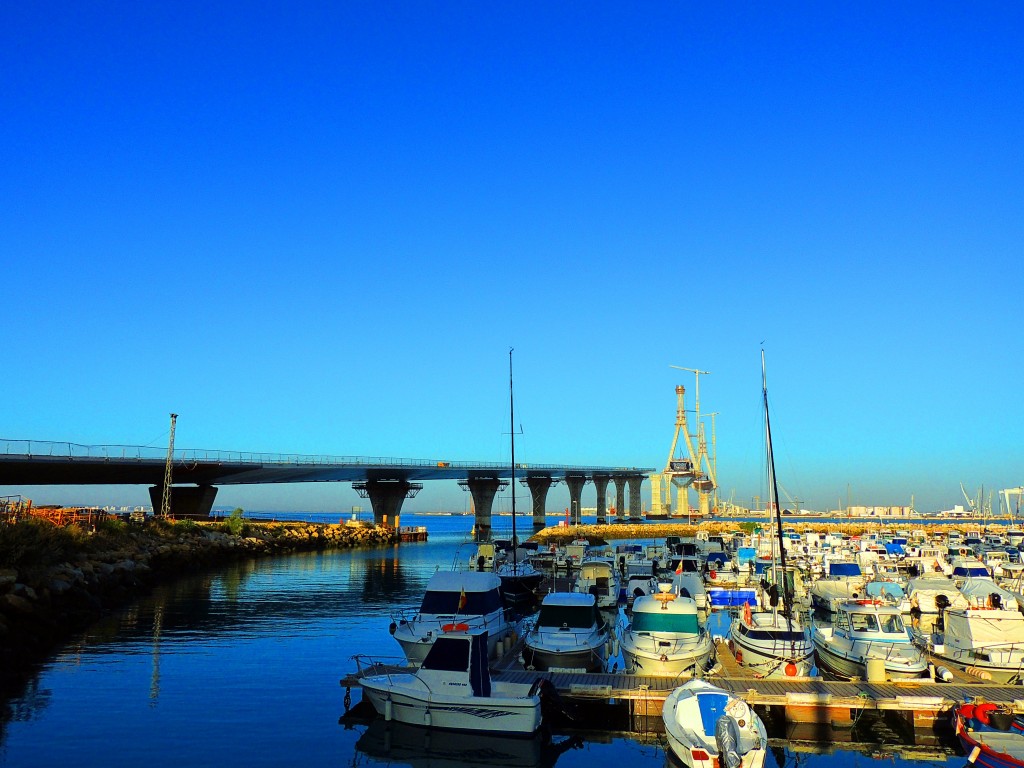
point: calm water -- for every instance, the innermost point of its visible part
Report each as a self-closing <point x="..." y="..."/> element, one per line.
<point x="240" y="667"/>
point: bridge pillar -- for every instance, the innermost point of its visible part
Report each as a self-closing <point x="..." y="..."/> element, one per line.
<point x="386" y="498"/>
<point x="187" y="501"/>
<point x="601" y="484"/>
<point x="539" y="486"/>
<point x="483" y="490"/>
<point x="620" y="496"/>
<point x="575" y="483"/>
<point x="634" y="481"/>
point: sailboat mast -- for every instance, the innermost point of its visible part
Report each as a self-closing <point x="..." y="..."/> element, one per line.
<point x="774" y="489"/>
<point x="512" y="434"/>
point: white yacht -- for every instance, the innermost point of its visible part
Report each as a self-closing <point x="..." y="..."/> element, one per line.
<point x="771" y="645"/>
<point x="845" y="581"/>
<point x="599" y="578"/>
<point x="568" y="633"/>
<point x="665" y="636"/>
<point x="454" y="599"/>
<point x="864" y="631"/>
<point x="453" y="689"/>
<point x="987" y="642"/>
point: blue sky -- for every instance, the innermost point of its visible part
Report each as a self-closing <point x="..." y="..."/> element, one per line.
<point x="318" y="228"/>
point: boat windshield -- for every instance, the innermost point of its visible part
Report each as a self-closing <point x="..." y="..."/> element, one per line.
<point x="665" y="622"/>
<point x="889" y="623"/>
<point x="571" y="616"/>
<point x="447" y="602"/>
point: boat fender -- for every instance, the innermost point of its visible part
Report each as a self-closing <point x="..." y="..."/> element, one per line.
<point x="392" y="627"/>
<point x="427" y="718"/>
<point x="984" y="674"/>
<point x="982" y="712"/>
<point x="974" y="754"/>
<point x="389" y="711"/>
<point x="943" y="674"/>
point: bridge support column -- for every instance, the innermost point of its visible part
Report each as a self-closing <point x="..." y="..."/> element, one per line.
<point x="575" y="483"/>
<point x="386" y="498"/>
<point x="620" y="496"/>
<point x="539" y="486"/>
<point x="483" y="490"/>
<point x="187" y="501"/>
<point x="635" y="482"/>
<point x="601" y="484"/>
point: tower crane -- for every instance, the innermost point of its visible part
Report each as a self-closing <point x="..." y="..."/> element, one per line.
<point x="165" y="499"/>
<point x="1005" y="495"/>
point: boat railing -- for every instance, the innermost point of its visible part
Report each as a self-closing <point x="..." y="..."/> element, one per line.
<point x="367" y="666"/>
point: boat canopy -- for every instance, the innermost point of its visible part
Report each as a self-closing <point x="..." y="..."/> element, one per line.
<point x="663" y="621"/>
<point x="461" y="653"/>
<point x="894" y="548"/>
<point x="475" y="603"/>
<point x="844" y="569"/>
<point x="745" y="554"/>
<point x="971" y="570"/>
<point x="976" y="628"/>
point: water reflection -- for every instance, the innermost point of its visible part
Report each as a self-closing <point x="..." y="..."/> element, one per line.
<point x="422" y="748"/>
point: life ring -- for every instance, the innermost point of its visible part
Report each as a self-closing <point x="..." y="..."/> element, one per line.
<point x="712" y="574"/>
<point x="868" y="602"/>
<point x="748" y="615"/>
<point x="460" y="627"/>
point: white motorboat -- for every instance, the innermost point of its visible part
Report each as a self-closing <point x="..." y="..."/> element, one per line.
<point x="708" y="727"/>
<point x="987" y="642"/>
<point x="845" y="581"/>
<point x="452" y="689"/>
<point x="599" y="578"/>
<point x="771" y="645"/>
<point x="567" y="633"/>
<point x="863" y="632"/>
<point x="665" y="636"/>
<point x="463" y="599"/>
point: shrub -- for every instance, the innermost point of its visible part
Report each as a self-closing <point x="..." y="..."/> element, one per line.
<point x="235" y="524"/>
<point x="34" y="545"/>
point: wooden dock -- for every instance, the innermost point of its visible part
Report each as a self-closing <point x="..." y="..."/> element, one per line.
<point x="920" y="705"/>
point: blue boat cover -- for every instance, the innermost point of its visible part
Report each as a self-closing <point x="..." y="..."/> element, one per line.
<point x="745" y="554"/>
<point x="893" y="548"/>
<point x="892" y="589"/>
<point x="844" y="569"/>
<point x="717" y="557"/>
<point x="712" y="707"/>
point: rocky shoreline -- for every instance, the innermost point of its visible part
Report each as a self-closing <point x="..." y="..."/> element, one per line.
<point x="42" y="606"/>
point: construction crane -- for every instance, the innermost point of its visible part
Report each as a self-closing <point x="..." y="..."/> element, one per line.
<point x="165" y="499"/>
<point x="694" y="469"/>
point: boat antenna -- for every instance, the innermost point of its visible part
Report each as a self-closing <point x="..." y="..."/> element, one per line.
<point x="774" y="489"/>
<point x="512" y="434"/>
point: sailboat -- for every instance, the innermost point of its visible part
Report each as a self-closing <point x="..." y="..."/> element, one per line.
<point x="519" y="579"/>
<point x="770" y="642"/>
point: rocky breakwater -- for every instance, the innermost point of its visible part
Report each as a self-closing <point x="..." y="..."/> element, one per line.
<point x="54" y="582"/>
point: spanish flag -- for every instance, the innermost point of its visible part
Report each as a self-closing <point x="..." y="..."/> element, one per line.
<point x="462" y="600"/>
<point x="679" y="568"/>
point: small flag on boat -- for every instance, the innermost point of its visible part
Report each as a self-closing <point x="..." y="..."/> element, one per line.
<point x="462" y="600"/>
<point x="679" y="568"/>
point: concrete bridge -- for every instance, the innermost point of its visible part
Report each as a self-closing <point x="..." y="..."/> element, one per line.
<point x="386" y="482"/>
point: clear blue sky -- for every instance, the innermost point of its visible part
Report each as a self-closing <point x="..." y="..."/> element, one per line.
<point x="318" y="228"/>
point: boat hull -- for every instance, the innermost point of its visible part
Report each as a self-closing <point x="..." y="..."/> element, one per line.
<point x="693" y="659"/>
<point x="404" y="699"/>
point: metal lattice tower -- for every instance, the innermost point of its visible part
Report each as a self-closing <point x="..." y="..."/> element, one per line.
<point x="165" y="500"/>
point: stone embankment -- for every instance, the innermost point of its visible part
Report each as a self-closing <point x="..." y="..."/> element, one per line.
<point x="41" y="606"/>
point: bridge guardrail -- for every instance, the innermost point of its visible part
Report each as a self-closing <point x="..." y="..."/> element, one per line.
<point x="68" y="450"/>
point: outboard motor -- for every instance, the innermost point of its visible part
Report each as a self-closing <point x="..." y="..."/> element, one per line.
<point x="552" y="706"/>
<point x="941" y="603"/>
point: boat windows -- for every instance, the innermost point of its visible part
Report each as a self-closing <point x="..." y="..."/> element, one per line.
<point x="893" y="624"/>
<point x="448" y="654"/>
<point x="568" y="616"/>
<point x="447" y="602"/>
<point x="776" y="635"/>
<point x="666" y="622"/>
<point x="863" y="622"/>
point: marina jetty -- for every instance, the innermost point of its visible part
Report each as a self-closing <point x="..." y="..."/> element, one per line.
<point x="55" y="580"/>
<point x="645" y="531"/>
